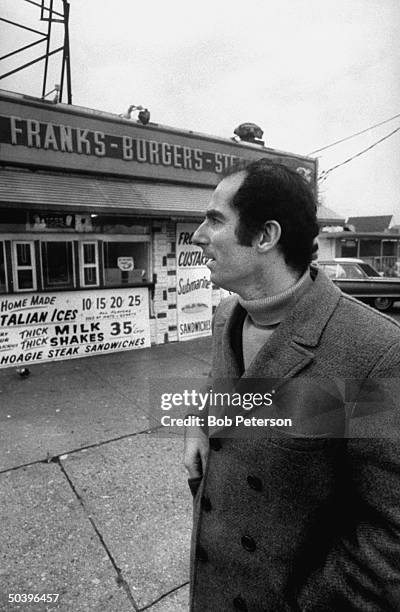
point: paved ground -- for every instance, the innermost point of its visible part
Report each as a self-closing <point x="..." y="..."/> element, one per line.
<point x="93" y="496"/>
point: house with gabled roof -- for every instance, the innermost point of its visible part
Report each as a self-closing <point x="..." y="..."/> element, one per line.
<point x="373" y="223"/>
<point x="372" y="238"/>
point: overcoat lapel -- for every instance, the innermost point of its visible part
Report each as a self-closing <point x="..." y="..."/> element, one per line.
<point x="231" y="331"/>
<point x="289" y="350"/>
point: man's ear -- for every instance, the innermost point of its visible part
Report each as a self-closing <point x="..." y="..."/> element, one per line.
<point x="269" y="236"/>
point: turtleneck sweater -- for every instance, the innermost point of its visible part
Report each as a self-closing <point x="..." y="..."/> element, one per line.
<point x="265" y="314"/>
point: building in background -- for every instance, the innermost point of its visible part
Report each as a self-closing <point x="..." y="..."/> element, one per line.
<point x="373" y="238"/>
<point x="96" y="217"/>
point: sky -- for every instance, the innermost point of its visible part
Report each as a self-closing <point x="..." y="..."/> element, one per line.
<point x="308" y="72"/>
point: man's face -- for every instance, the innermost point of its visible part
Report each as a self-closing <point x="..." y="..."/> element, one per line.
<point x="232" y="265"/>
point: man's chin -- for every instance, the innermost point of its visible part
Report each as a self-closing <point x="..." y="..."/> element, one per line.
<point x="219" y="282"/>
<point x="216" y="279"/>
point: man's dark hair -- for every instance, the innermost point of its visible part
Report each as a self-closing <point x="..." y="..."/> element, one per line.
<point x="272" y="191"/>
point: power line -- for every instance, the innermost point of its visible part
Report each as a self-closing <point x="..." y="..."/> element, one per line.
<point x="354" y="135"/>
<point x="325" y="173"/>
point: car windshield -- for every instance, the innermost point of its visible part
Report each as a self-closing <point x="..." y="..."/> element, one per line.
<point x="349" y="270"/>
<point x="329" y="269"/>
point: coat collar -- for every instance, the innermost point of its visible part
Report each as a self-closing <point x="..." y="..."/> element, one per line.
<point x="313" y="311"/>
<point x="289" y="349"/>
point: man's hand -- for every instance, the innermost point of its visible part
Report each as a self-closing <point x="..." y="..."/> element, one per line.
<point x="195" y="451"/>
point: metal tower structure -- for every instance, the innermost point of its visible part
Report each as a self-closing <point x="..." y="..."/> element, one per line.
<point x="49" y="16"/>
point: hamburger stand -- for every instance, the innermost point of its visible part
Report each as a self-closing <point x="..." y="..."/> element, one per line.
<point x="96" y="216"/>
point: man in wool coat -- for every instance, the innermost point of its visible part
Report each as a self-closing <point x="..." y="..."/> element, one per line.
<point x="297" y="487"/>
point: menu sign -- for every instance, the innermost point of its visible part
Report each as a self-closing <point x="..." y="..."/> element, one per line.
<point x="35" y="328"/>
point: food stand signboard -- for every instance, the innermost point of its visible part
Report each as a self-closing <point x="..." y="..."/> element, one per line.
<point x="66" y="137"/>
<point x="35" y="328"/>
<point x="194" y="298"/>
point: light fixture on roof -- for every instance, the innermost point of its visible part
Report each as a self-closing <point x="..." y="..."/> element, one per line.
<point x="57" y="96"/>
<point x="249" y="132"/>
<point x="143" y="115"/>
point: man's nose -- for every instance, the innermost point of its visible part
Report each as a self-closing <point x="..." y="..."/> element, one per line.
<point x="199" y="237"/>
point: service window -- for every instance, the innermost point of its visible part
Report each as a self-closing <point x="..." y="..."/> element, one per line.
<point x="125" y="263"/>
<point x="57" y="265"/>
<point x="24" y="269"/>
<point x="89" y="269"/>
<point x="3" y="272"/>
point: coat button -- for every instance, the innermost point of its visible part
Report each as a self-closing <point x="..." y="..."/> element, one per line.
<point x="248" y="543"/>
<point x="206" y="504"/>
<point x="254" y="483"/>
<point x="201" y="554"/>
<point x="215" y="444"/>
<point x="239" y="604"/>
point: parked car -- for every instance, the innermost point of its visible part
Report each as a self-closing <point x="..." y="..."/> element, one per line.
<point x="361" y="280"/>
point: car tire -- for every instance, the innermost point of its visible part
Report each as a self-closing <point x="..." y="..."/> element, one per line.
<point x="382" y="303"/>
